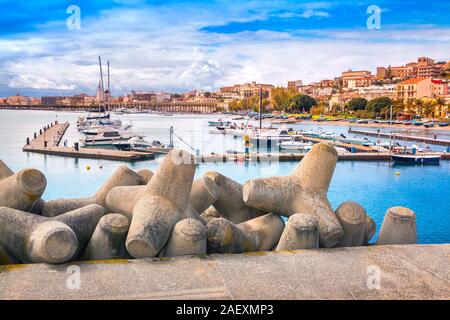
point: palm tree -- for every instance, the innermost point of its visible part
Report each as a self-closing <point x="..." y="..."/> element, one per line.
<point x="441" y="106"/>
<point x="419" y="105"/>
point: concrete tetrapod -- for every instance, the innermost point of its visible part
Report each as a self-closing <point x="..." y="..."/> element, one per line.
<point x="83" y="222"/>
<point x="399" y="227"/>
<point x="166" y="198"/>
<point x="5" y="171"/>
<point x="267" y="230"/>
<point x="358" y="227"/>
<point x="21" y="190"/>
<point x="32" y="238"/>
<point x="145" y="175"/>
<point x="301" y="232"/>
<point x="204" y="193"/>
<point x="210" y="214"/>
<point x="229" y="202"/>
<point x="188" y="238"/>
<point x="123" y="199"/>
<point x="123" y="176"/>
<point x="7" y="258"/>
<point x="108" y="239"/>
<point x="304" y="190"/>
<point x="226" y="237"/>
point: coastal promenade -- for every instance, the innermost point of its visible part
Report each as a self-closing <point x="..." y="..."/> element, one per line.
<point x="405" y="272"/>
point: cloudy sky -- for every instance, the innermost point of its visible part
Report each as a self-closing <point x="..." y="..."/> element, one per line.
<point x="181" y="45"/>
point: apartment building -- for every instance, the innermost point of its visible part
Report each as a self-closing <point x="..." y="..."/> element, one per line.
<point x="415" y="88"/>
<point x="354" y="75"/>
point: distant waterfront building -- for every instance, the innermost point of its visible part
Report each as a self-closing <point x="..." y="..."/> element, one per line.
<point x="49" y="101"/>
<point x="415" y="88"/>
<point x="18" y="100"/>
<point x="100" y="95"/>
<point x="359" y="82"/>
<point x="248" y="90"/>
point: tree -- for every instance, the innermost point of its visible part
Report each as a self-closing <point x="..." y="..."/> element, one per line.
<point x="207" y="94"/>
<point x="356" y="104"/>
<point x="279" y="98"/>
<point x="377" y="104"/>
<point x="300" y="103"/>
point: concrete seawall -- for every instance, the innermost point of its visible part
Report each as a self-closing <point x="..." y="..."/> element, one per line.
<point x="406" y="272"/>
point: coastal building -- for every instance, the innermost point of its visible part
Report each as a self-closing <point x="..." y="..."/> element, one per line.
<point x="373" y="91"/>
<point x="18" y="100"/>
<point x="415" y="88"/>
<point x="49" y="101"/>
<point x="248" y="90"/>
<point x="100" y="95"/>
<point x="353" y="75"/>
<point x="424" y="68"/>
<point x="294" y="85"/>
<point x="360" y="82"/>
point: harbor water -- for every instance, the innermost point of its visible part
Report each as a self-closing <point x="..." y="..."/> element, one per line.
<point x="375" y="185"/>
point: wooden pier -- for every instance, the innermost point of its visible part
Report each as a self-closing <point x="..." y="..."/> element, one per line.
<point x="49" y="138"/>
<point x="402" y="137"/>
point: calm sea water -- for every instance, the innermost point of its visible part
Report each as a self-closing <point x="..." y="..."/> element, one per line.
<point x="375" y="185"/>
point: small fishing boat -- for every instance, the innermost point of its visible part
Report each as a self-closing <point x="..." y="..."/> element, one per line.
<point x="416" y="159"/>
<point x="443" y="124"/>
<point x="218" y="130"/>
<point x="295" y="145"/>
<point x="429" y="125"/>
<point x="328" y="136"/>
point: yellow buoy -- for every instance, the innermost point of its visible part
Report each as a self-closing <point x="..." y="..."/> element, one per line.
<point x="397" y="173"/>
<point x="88" y="168"/>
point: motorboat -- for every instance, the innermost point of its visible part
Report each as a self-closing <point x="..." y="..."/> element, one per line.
<point x="328" y="136"/>
<point x="359" y="141"/>
<point x="416" y="159"/>
<point x="218" y="130"/>
<point x="139" y="144"/>
<point x="107" y="137"/>
<point x="295" y="145"/>
<point x="272" y="137"/>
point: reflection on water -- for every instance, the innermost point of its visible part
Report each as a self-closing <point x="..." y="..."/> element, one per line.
<point x="425" y="189"/>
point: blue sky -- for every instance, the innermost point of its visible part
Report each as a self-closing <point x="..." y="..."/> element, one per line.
<point x="182" y="45"/>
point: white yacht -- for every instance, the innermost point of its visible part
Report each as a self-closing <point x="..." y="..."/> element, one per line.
<point x="107" y="137"/>
<point x="138" y="144"/>
<point x="295" y="145"/>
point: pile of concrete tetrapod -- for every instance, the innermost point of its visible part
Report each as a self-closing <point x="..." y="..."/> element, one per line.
<point x="168" y="213"/>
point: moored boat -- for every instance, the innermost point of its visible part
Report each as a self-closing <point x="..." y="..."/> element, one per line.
<point x="416" y="159"/>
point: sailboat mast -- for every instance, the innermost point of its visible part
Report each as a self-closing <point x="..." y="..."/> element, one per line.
<point x="109" y="89"/>
<point x="101" y="79"/>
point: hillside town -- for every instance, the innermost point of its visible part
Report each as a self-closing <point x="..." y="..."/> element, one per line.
<point x="415" y="88"/>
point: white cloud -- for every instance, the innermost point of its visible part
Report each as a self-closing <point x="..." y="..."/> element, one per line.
<point x="153" y="49"/>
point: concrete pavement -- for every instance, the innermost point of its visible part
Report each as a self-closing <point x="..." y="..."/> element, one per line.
<point x="405" y="272"/>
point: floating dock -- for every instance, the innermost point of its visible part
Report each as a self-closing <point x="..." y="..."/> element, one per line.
<point x="49" y="138"/>
<point x="402" y="137"/>
<point x="414" y="272"/>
